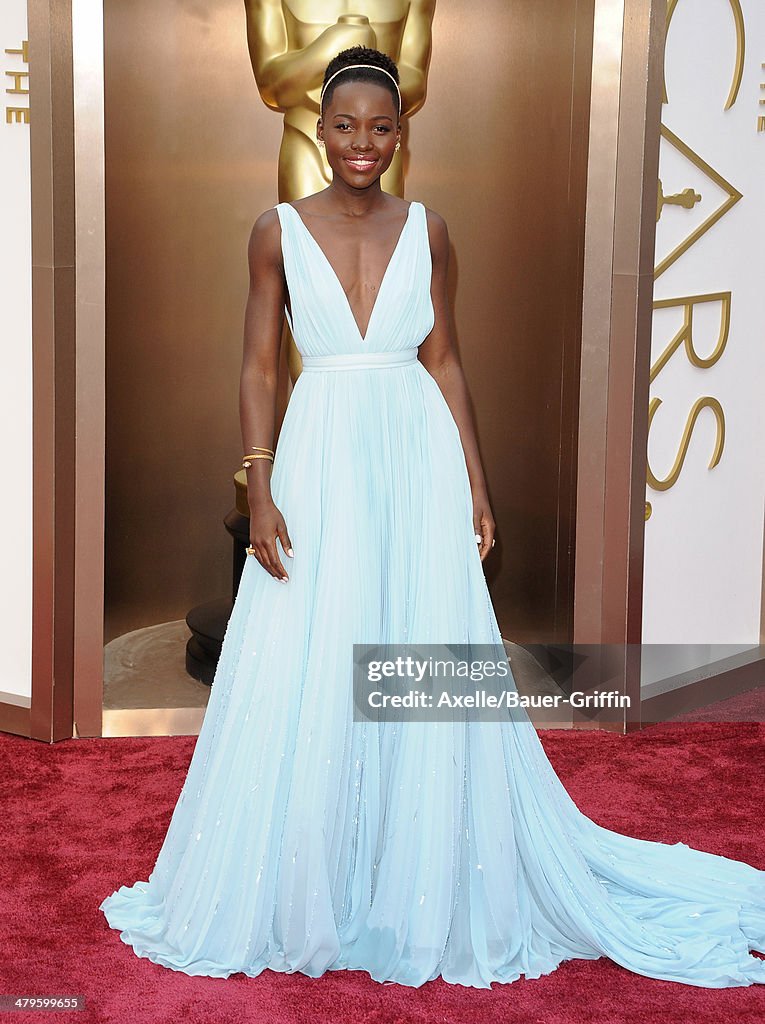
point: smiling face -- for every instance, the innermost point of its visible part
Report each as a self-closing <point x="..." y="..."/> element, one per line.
<point x="360" y="129"/>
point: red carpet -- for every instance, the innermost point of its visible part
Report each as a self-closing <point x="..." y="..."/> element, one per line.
<point x="83" y="817"/>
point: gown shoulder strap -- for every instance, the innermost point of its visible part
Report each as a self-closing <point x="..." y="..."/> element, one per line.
<point x="284" y="221"/>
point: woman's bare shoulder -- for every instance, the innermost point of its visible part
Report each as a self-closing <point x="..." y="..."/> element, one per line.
<point x="266" y="223"/>
<point x="265" y="237"/>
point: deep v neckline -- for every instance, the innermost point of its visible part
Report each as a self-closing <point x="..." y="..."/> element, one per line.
<point x="333" y="273"/>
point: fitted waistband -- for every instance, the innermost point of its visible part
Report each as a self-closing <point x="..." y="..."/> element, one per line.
<point x="361" y="360"/>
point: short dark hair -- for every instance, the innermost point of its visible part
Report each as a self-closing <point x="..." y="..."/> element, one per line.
<point x="361" y="55"/>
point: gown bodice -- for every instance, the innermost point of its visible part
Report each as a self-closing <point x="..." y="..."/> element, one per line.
<point x="321" y="319"/>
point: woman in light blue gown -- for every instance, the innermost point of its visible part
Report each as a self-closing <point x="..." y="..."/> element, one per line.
<point x="307" y="839"/>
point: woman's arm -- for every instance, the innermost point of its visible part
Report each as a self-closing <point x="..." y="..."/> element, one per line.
<point x="263" y="320"/>
<point x="438" y="354"/>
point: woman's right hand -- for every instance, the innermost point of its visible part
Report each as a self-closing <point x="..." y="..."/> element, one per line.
<point x="266" y="523"/>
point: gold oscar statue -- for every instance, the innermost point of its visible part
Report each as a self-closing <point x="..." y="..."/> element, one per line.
<point x="290" y="46"/>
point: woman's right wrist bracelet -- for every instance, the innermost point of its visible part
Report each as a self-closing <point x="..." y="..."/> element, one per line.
<point x="247" y="460"/>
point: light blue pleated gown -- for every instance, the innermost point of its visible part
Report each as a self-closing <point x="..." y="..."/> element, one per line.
<point x="304" y="840"/>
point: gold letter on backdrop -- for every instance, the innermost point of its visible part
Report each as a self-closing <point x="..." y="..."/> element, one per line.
<point x="684" y="337"/>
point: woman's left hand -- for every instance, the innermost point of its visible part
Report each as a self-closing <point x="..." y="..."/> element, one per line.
<point x="483" y="524"/>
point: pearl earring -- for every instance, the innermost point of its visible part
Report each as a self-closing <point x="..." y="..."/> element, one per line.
<point x="320" y="142"/>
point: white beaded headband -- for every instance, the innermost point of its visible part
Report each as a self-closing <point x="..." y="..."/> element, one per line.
<point x="374" y="68"/>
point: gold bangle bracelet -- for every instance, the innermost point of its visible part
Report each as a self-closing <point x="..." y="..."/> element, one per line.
<point x="259" y="448"/>
<point x="248" y="459"/>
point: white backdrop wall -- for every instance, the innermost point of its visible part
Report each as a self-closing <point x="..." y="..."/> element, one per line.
<point x="16" y="375"/>
<point x="704" y="537"/>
